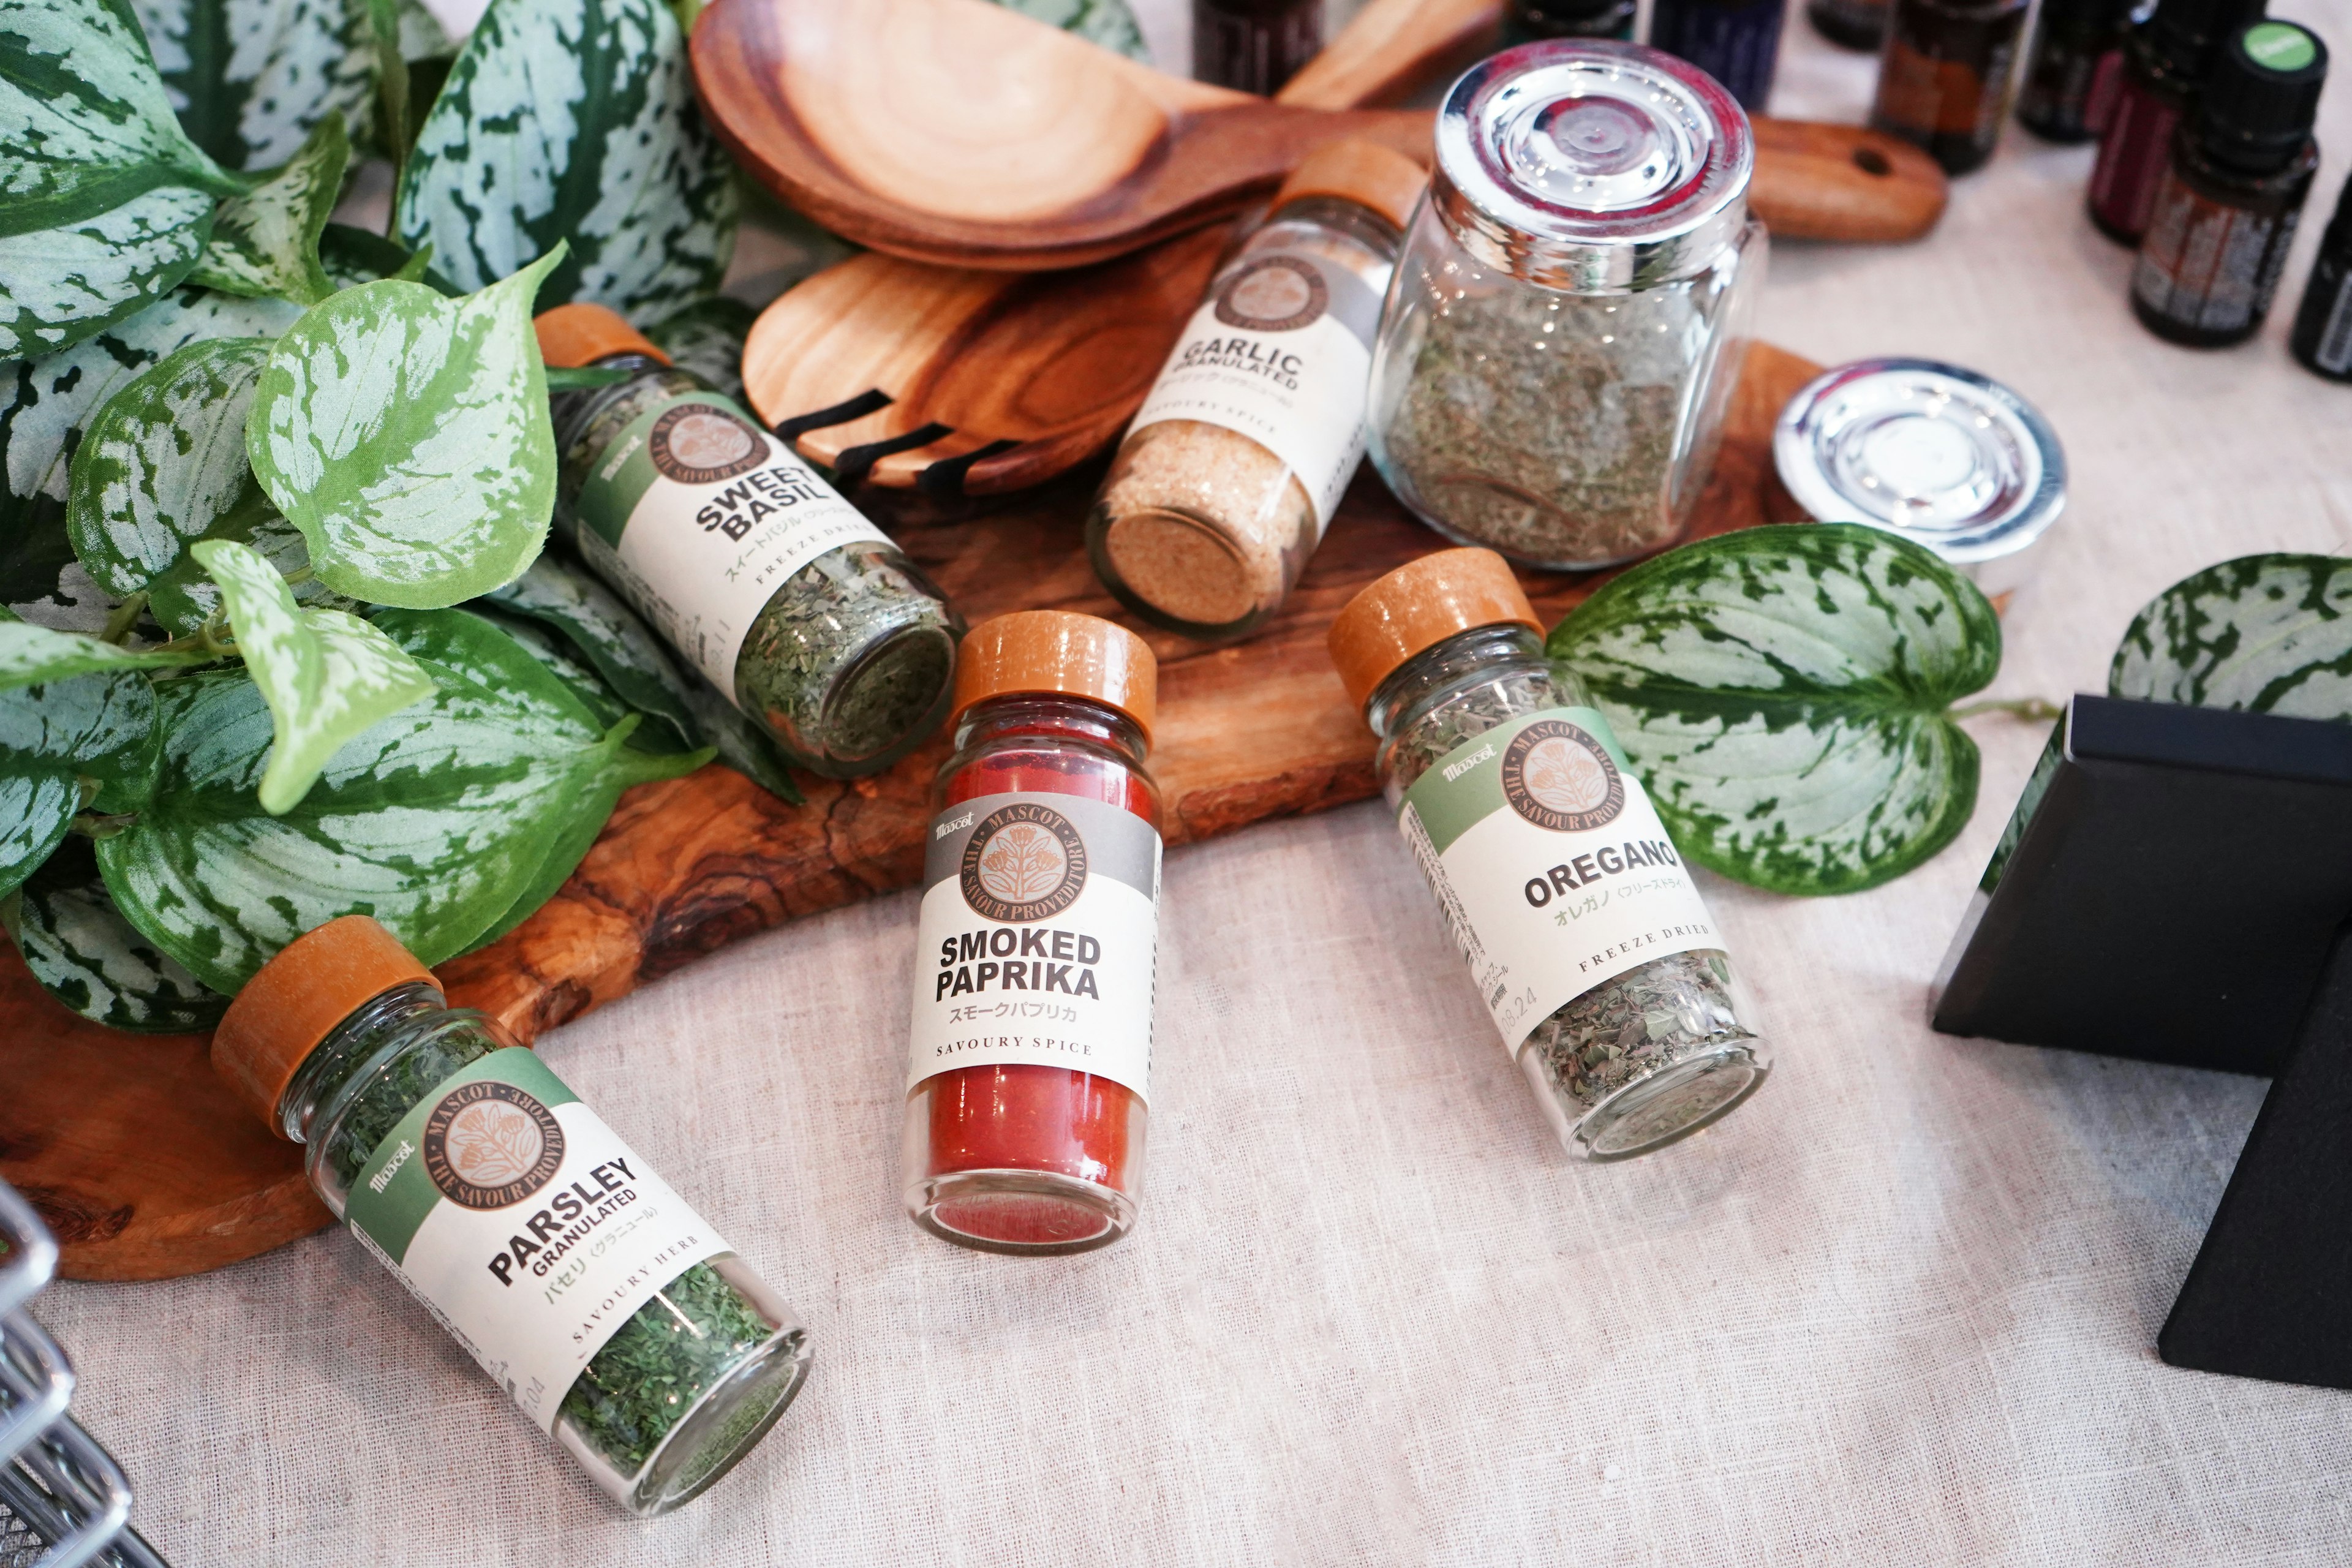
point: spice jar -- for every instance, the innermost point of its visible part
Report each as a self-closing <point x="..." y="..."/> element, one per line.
<point x="609" y="1311"/>
<point x="1944" y="457"/>
<point x="1584" y="934"/>
<point x="1237" y="459"/>
<point x="800" y="611"/>
<point x="1944" y="76"/>
<point x="1031" y="1046"/>
<point x="1568" y="320"/>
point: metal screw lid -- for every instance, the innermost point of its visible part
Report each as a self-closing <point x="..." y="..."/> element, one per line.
<point x="1587" y="164"/>
<point x="1944" y="457"/>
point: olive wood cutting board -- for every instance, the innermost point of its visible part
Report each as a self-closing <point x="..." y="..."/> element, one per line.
<point x="148" y="1168"/>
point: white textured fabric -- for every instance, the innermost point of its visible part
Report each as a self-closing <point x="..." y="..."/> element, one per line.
<point x="1899" y="1310"/>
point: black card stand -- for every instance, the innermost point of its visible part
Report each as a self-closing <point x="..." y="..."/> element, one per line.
<point x="2178" y="887"/>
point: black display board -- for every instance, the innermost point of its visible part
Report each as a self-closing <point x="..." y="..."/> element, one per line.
<point x="2176" y="887"/>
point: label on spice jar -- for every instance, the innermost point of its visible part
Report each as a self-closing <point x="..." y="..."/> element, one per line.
<point x="698" y="515"/>
<point x="2209" y="266"/>
<point x="1550" y="864"/>
<point x="1041" y="913"/>
<point x="523" y="1222"/>
<point x="1280" y="352"/>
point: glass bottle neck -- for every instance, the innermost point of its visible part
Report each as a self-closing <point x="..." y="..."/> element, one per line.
<point x="1479" y="654"/>
<point x="348" y="1057"/>
<point x="1051" y="715"/>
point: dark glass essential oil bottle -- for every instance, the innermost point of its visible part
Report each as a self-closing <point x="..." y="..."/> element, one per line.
<point x="2241" y="170"/>
<point x="2074" y="41"/>
<point x="1254" y="46"/>
<point x="2164" y="63"/>
<point x="1944" y="76"/>
<point x="1527" y="20"/>
<point x="2322" y="339"/>
<point x="1736" y="42"/>
<point x="1849" y="23"/>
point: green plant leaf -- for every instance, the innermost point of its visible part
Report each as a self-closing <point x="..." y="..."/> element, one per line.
<point x="77" y="728"/>
<point x="326" y="675"/>
<point x="1109" y="23"/>
<point x="84" y="953"/>
<point x="435" y="821"/>
<point x="707" y="338"/>
<point x="266" y="242"/>
<point x="61" y="285"/>
<point x="356" y="255"/>
<point x="574" y="120"/>
<point x="608" y="635"/>
<point x="44" y="405"/>
<point x="1783" y="691"/>
<point x="250" y="79"/>
<point x="407" y="438"/>
<point x="2265" y="634"/>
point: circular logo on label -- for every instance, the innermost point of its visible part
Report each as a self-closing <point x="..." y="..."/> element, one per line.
<point x="490" y="1144"/>
<point x="1558" y="776"/>
<point x="1277" y="294"/>
<point x="698" y="443"/>
<point x="1023" y="863"/>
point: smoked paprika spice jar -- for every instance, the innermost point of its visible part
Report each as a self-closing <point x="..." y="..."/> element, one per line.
<point x="1583" y="931"/>
<point x="612" y="1313"/>
<point x="1029" y="1053"/>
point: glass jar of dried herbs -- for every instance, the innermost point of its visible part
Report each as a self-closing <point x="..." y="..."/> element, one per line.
<point x="1584" y="933"/>
<point x="610" y="1312"/>
<point x="788" y="600"/>
<point x="1234" y="464"/>
<point x="1568" y="320"/>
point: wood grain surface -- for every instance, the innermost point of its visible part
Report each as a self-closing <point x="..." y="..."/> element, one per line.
<point x="148" y="1168"/>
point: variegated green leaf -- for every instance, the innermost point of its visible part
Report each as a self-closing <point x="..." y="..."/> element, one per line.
<point x="61" y="285"/>
<point x="76" y="729"/>
<point x="251" y="78"/>
<point x="1109" y="23"/>
<point x="435" y="821"/>
<point x="1782" y="691"/>
<point x="407" y="438"/>
<point x="266" y="242"/>
<point x="44" y="405"/>
<point x="326" y="675"/>
<point x="84" y="953"/>
<point x="574" y="120"/>
<point x="624" y="654"/>
<point x="356" y="255"/>
<point x="2267" y="634"/>
<point x="31" y="655"/>
<point x="707" y="338"/>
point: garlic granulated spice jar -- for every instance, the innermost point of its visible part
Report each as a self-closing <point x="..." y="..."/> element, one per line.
<point x="1236" y="460"/>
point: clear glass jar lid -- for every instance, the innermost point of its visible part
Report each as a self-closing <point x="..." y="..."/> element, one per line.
<point x="1588" y="163"/>
<point x="1949" y="459"/>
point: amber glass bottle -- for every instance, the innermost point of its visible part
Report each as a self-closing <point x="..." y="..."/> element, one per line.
<point x="1944" y="78"/>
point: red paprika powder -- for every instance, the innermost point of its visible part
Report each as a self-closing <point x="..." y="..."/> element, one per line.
<point x="1032" y="1028"/>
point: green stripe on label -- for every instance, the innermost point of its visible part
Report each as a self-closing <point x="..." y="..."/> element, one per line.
<point x="1466" y="786"/>
<point x="609" y="496"/>
<point x="393" y="1194"/>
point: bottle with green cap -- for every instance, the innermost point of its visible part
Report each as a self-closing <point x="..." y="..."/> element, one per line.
<point x="2241" y="169"/>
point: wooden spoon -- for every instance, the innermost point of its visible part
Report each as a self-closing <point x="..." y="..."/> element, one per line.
<point x="960" y="132"/>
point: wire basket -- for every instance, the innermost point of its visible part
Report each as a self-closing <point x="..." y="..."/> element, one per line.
<point x="63" y="1500"/>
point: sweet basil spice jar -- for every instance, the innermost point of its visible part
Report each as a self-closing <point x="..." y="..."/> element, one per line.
<point x="800" y="611"/>
<point x="1568" y="320"/>
<point x="609" y="1311"/>
<point x="1584" y="933"/>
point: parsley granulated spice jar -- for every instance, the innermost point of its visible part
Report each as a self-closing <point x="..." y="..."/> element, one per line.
<point x="1584" y="934"/>
<point x="1569" y="318"/>
<point x="608" y="1310"/>
<point x="1030" y="1051"/>
<point x="1234" y="464"/>
<point x="801" y="611"/>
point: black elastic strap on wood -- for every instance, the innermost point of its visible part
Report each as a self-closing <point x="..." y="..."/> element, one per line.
<point x="855" y="462"/>
<point x="857" y="408"/>
<point x="943" y="481"/>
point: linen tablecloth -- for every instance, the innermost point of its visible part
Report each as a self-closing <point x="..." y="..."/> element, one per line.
<point x="1900" y="1309"/>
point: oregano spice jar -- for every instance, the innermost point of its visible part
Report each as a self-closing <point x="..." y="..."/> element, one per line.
<point x="1585" y="935"/>
<point x="610" y="1312"/>
<point x="800" y="611"/>
<point x="1030" y="1052"/>
<point x="1233" y="467"/>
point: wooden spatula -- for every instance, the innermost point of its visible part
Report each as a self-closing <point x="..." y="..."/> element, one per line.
<point x="960" y="132"/>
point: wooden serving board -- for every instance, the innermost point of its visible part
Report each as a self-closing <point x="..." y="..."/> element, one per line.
<point x="148" y="1169"/>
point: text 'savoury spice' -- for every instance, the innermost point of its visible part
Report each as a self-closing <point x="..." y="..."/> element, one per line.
<point x="610" y="1312"/>
<point x="1234" y="464"/>
<point x="1583" y="931"/>
<point x="1030" y="1054"/>
<point x="799" y="610"/>
<point x="1569" y="318"/>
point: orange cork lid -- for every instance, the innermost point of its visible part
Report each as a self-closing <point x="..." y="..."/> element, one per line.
<point x="570" y="336"/>
<point x="1418" y="605"/>
<point x="1365" y="173"/>
<point x="296" y="1000"/>
<point x="1057" y="650"/>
